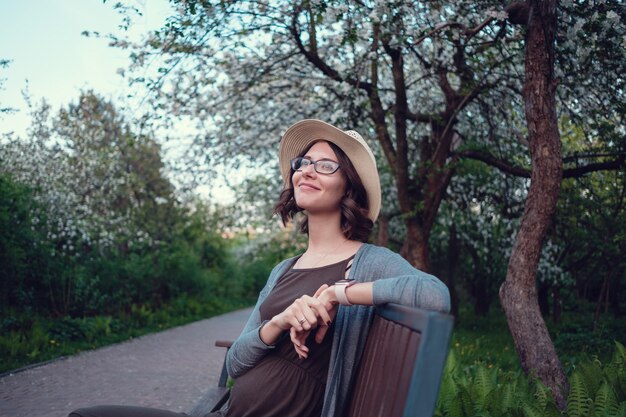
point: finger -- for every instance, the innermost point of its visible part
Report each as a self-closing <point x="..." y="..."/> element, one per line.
<point x="321" y="331"/>
<point x="307" y="313"/>
<point x="293" y="335"/>
<point x="301" y="353"/>
<point x="316" y="307"/>
<point x="322" y="314"/>
<point x="297" y="338"/>
<point x="299" y="317"/>
<point x="320" y="334"/>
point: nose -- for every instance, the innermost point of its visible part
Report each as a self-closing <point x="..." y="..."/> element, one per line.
<point x="309" y="170"/>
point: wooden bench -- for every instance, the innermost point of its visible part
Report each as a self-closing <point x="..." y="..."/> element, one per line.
<point x="400" y="370"/>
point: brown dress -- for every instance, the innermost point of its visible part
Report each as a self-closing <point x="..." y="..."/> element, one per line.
<point x="282" y="384"/>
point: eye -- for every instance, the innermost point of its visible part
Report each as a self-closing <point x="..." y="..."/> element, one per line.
<point x="299" y="163"/>
<point x="327" y="166"/>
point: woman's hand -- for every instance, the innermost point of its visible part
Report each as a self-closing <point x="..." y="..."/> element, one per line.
<point x="325" y="295"/>
<point x="303" y="314"/>
<point x="328" y="298"/>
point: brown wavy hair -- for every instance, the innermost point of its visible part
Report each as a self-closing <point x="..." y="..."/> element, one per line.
<point x="355" y="223"/>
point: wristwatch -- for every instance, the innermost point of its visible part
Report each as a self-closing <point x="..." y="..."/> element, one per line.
<point x="340" y="291"/>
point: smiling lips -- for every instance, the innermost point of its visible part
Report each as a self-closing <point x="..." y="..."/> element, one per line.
<point x="307" y="185"/>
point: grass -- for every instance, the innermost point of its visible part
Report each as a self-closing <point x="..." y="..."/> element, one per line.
<point x="487" y="340"/>
<point x="27" y="339"/>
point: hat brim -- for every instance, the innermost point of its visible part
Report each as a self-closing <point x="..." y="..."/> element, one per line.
<point x="302" y="134"/>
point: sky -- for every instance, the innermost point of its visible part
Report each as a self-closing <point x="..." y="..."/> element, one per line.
<point x="51" y="57"/>
<point x="54" y="61"/>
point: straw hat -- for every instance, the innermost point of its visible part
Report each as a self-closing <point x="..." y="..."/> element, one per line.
<point x="301" y="135"/>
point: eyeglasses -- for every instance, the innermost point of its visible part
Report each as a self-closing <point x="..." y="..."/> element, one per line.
<point x="321" y="167"/>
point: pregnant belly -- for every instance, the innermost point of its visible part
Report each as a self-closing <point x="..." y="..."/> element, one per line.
<point x="277" y="387"/>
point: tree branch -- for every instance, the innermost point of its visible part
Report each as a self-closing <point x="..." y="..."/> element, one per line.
<point x="616" y="164"/>
<point x="313" y="57"/>
<point x="378" y="113"/>
<point x="469" y="33"/>
<point x="400" y="117"/>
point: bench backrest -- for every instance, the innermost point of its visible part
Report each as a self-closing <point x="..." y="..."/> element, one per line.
<point x="402" y="364"/>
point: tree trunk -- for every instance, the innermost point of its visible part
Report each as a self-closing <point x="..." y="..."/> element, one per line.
<point x="518" y="292"/>
<point x="382" y="236"/>
<point x="415" y="247"/>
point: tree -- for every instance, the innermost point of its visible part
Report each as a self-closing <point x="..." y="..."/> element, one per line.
<point x="404" y="72"/>
<point x="24" y="252"/>
<point x="99" y="188"/>
<point x="518" y="293"/>
<point x="432" y="82"/>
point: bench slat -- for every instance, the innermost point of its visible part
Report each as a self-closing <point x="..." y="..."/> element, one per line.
<point x="402" y="363"/>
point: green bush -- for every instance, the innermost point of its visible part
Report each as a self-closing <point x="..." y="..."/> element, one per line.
<point x="25" y="253"/>
<point x="481" y="389"/>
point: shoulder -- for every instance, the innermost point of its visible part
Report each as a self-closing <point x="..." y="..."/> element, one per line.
<point x="374" y="250"/>
<point x="381" y="259"/>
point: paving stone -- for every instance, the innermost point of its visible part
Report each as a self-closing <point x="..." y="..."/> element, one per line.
<point x="169" y="369"/>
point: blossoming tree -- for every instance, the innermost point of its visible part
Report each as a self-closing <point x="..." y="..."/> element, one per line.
<point x="431" y="82"/>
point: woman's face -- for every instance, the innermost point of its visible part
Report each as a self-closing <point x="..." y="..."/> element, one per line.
<point x="319" y="193"/>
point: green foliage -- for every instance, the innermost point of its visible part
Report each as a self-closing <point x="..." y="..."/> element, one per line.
<point x="597" y="389"/>
<point x="25" y="254"/>
<point x="95" y="245"/>
<point x="479" y="389"/>
<point x="578" y="401"/>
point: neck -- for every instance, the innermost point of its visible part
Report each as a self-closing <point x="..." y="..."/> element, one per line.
<point x="324" y="230"/>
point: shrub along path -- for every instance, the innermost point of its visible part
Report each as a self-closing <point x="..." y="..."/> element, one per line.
<point x="169" y="369"/>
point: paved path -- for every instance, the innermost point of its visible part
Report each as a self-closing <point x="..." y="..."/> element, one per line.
<point x="170" y="369"/>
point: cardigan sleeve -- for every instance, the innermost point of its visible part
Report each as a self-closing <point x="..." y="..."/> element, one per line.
<point x="248" y="349"/>
<point x="397" y="281"/>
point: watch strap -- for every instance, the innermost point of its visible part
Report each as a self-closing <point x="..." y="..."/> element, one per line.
<point x="340" y="291"/>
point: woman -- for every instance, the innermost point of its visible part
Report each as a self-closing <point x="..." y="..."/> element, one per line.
<point x="297" y="352"/>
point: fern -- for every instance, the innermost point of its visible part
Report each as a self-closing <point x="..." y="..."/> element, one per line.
<point x="606" y="403"/>
<point x="467" y="405"/>
<point x="532" y="411"/>
<point x="508" y="401"/>
<point x="452" y="362"/>
<point x="620" y="354"/>
<point x="484" y="382"/>
<point x="448" y="391"/>
<point x="592" y="375"/>
<point x="551" y="410"/>
<point x="578" y="399"/>
<point x="617" y="371"/>
<point x="455" y="408"/>
<point x="621" y="410"/>
<point x="543" y="394"/>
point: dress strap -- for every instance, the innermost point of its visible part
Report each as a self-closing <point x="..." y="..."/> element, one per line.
<point x="350" y="260"/>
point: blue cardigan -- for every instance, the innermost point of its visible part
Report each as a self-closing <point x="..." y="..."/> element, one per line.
<point x="395" y="280"/>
